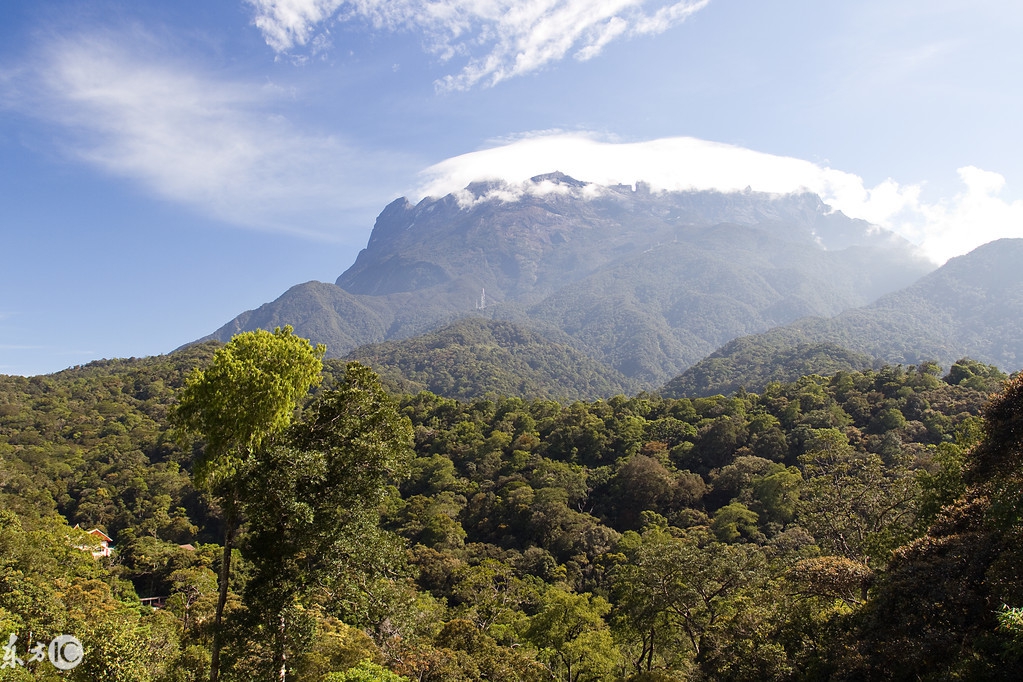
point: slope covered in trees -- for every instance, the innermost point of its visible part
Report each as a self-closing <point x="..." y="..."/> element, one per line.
<point x="475" y="357"/>
<point x="789" y="534"/>
<point x="751" y="363"/>
<point x="93" y="444"/>
<point x="971" y="306"/>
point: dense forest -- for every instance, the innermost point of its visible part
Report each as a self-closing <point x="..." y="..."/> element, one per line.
<point x="858" y="525"/>
<point x="751" y="363"/>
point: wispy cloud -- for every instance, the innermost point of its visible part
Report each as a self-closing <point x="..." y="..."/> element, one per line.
<point x="125" y="104"/>
<point x="498" y="39"/>
<point x="944" y="228"/>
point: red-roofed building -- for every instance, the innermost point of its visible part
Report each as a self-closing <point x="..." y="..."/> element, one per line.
<point x="102" y="545"/>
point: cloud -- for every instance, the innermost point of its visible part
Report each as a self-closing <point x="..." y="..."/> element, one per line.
<point x="945" y="228"/>
<point x="123" y="103"/>
<point x="287" y="23"/>
<point x="973" y="217"/>
<point x="500" y="39"/>
<point x="666" y="164"/>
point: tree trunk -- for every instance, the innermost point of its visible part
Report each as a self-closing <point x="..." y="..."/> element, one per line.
<point x="230" y="527"/>
<point x="650" y="654"/>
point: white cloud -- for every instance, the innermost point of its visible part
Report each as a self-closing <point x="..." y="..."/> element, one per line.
<point x="976" y="216"/>
<point x="286" y="23"/>
<point x="942" y="229"/>
<point x="126" y="105"/>
<point x="666" y="164"/>
<point x="500" y="39"/>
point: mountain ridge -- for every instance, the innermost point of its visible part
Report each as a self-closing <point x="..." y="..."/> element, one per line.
<point x="647" y="283"/>
<point x="972" y="306"/>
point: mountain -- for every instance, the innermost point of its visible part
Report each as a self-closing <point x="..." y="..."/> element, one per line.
<point x="474" y="357"/>
<point x="644" y="282"/>
<point x="970" y="307"/>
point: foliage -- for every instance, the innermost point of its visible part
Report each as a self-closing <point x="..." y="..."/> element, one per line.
<point x="366" y="671"/>
<point x="752" y="363"/>
<point x="841" y="525"/>
<point x="249" y="392"/>
<point x="573" y="640"/>
<point x="937" y="606"/>
<point x="312" y="508"/>
<point x="93" y="443"/>
<point x="973" y="374"/>
<point x="476" y="357"/>
<point x="50" y="587"/>
<point x="854" y="504"/>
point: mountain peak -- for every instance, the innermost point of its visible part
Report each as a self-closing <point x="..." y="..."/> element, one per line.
<point x="646" y="282"/>
<point x="558" y="178"/>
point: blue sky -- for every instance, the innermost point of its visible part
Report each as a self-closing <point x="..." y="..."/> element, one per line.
<point x="165" y="166"/>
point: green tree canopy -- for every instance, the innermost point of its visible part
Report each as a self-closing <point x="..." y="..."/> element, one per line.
<point x="249" y="392"/>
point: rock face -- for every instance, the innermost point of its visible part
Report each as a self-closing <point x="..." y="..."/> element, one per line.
<point x="646" y="283"/>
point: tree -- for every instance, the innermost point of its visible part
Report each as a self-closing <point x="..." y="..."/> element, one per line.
<point x="854" y="505"/>
<point x="573" y="639"/>
<point x="735" y="521"/>
<point x="366" y="671"/>
<point x="249" y="392"/>
<point x="975" y="375"/>
<point x="49" y="586"/>
<point x="939" y="611"/>
<point x="679" y="593"/>
<point x="489" y="595"/>
<point x="312" y="506"/>
<point x="642" y="483"/>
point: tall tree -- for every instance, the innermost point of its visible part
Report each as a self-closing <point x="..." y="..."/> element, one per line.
<point x="679" y="593"/>
<point x="853" y="503"/>
<point x="572" y="636"/>
<point x="249" y="392"/>
<point x="312" y="507"/>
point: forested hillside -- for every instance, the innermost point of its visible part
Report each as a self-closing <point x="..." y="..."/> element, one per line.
<point x="476" y="357"/>
<point x="751" y="363"/>
<point x="861" y="525"/>
<point x="972" y="305"/>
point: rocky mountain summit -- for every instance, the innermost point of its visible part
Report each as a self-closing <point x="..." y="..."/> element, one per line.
<point x="645" y="282"/>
